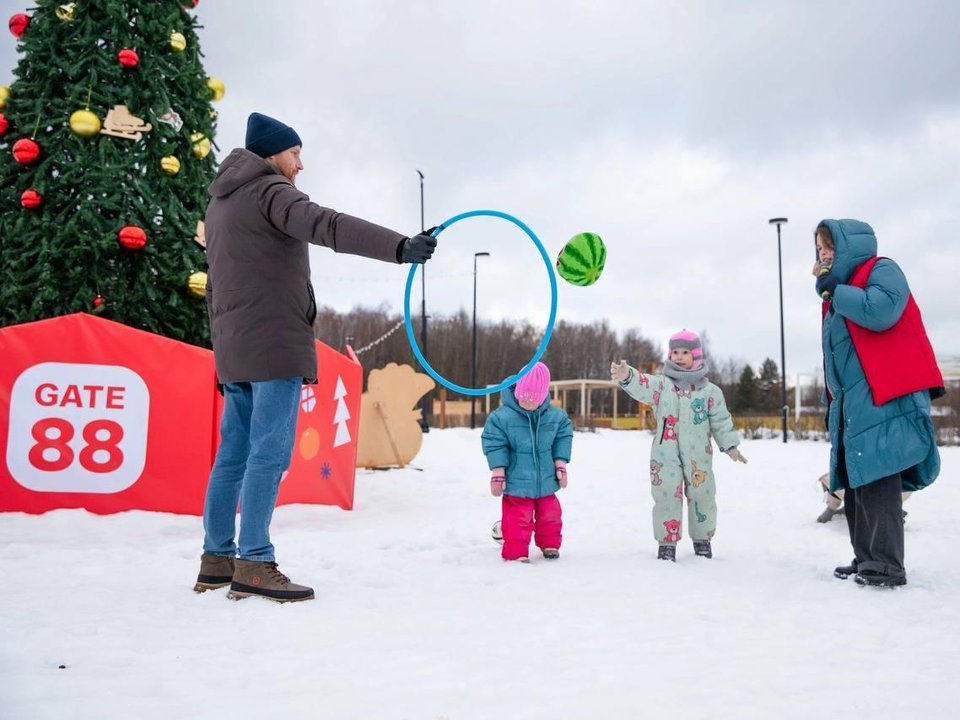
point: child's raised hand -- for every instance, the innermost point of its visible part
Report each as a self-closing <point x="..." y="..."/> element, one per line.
<point x="561" y="472"/>
<point x="498" y="482"/>
<point x="736" y="455"/>
<point x="619" y="372"/>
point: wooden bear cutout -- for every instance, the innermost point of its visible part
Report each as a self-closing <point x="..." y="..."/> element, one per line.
<point x="390" y="431"/>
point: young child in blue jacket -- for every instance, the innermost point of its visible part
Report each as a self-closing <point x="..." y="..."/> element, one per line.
<point x="527" y="442"/>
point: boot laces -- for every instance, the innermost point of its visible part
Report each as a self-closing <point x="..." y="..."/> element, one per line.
<point x="276" y="574"/>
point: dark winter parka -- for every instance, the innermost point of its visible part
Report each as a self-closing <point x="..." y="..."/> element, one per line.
<point x="526" y="442"/>
<point x="259" y="296"/>
<point x="878" y="440"/>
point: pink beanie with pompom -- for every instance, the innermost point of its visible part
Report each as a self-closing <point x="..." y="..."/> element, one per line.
<point x="534" y="386"/>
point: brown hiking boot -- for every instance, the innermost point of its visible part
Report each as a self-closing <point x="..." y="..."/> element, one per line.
<point x="216" y="571"/>
<point x="264" y="579"/>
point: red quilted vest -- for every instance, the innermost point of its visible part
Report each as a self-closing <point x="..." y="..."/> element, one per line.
<point x="899" y="360"/>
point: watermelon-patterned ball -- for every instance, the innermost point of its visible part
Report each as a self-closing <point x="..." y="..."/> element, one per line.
<point x="582" y="259"/>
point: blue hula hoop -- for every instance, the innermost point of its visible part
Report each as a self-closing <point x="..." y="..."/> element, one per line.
<point x="546" y="337"/>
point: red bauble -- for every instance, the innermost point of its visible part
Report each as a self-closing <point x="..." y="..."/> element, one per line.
<point x="18" y="24"/>
<point x="97" y="301"/>
<point x="128" y="57"/>
<point x="132" y="237"/>
<point x="25" y="151"/>
<point x="31" y="199"/>
<point x="4" y="124"/>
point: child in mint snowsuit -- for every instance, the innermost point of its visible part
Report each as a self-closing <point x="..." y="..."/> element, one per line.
<point x="527" y="442"/>
<point x="690" y="413"/>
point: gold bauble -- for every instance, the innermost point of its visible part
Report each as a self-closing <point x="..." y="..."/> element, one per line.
<point x="85" y="123"/>
<point x="4" y="95"/>
<point x="66" y="12"/>
<point x="170" y="164"/>
<point x="197" y="284"/>
<point x="213" y="114"/>
<point x="201" y="145"/>
<point x="178" y="43"/>
<point x="216" y="87"/>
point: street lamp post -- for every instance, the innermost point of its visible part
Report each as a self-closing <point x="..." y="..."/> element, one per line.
<point x="424" y="420"/>
<point x="783" y="352"/>
<point x="473" y="398"/>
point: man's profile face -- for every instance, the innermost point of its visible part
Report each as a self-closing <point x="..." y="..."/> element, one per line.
<point x="288" y="163"/>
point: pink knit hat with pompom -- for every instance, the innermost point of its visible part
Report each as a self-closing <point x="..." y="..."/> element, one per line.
<point x="535" y="385"/>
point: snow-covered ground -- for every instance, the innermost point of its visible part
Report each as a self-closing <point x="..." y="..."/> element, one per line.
<point x="417" y="617"/>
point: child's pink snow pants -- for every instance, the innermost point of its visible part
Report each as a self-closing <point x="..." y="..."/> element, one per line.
<point x="525" y="516"/>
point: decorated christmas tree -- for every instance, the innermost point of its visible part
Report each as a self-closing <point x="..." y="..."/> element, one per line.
<point x="105" y="139"/>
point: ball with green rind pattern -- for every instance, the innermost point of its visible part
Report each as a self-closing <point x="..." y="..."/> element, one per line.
<point x="582" y="259"/>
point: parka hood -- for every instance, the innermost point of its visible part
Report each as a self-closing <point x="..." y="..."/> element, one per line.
<point x="239" y="168"/>
<point x="854" y="243"/>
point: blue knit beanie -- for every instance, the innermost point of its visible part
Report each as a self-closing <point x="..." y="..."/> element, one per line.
<point x="266" y="136"/>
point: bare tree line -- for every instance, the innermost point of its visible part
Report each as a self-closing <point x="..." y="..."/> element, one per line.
<point x="576" y="350"/>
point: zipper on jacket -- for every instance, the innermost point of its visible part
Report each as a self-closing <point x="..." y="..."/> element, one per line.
<point x="311" y="305"/>
<point x="536" y="450"/>
<point x="536" y="454"/>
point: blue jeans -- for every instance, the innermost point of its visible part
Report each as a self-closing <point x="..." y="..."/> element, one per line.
<point x="257" y="433"/>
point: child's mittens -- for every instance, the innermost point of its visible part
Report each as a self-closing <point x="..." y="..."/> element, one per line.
<point x="561" y="466"/>
<point x="736" y="455"/>
<point x="498" y="482"/>
<point x="619" y="372"/>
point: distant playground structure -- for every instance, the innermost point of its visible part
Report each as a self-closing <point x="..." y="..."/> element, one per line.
<point x="590" y="402"/>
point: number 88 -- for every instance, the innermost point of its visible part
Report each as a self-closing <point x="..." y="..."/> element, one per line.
<point x="65" y="455"/>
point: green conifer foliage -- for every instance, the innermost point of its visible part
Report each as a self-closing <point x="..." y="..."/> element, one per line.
<point x="57" y="257"/>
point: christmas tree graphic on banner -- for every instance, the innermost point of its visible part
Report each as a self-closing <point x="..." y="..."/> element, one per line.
<point x="341" y="415"/>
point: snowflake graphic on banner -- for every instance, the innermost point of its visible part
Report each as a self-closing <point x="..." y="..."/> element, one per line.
<point x="326" y="471"/>
<point x="341" y="415"/>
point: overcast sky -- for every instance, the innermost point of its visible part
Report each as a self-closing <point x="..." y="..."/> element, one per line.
<point x="675" y="130"/>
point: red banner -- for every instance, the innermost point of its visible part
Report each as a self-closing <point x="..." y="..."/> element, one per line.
<point x="324" y="461"/>
<point x="97" y="415"/>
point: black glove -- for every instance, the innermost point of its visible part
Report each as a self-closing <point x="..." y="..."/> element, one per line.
<point x="826" y="286"/>
<point x="416" y="249"/>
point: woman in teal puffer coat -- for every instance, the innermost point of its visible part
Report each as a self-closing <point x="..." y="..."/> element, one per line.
<point x="878" y="450"/>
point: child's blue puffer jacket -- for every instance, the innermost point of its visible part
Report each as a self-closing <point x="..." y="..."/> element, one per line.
<point x="526" y="442"/>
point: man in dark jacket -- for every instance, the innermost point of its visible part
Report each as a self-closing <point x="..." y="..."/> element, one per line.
<point x="262" y="310"/>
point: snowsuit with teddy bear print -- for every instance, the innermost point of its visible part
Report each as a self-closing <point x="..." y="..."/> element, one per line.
<point x="681" y="461"/>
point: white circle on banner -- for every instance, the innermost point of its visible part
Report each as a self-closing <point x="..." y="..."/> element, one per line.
<point x="78" y="428"/>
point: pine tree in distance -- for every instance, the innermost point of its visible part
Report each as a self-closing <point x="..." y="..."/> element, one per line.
<point x="105" y="138"/>
<point x="769" y="386"/>
<point x="748" y="390"/>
